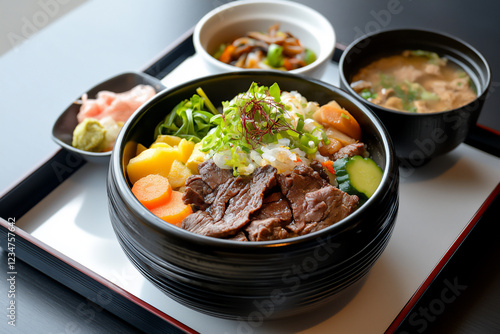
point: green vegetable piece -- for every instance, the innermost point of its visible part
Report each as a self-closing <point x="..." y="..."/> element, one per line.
<point x="89" y="135"/>
<point x="308" y="143"/>
<point x="207" y="101"/>
<point x="188" y="120"/>
<point x="275" y="92"/>
<point x="309" y="56"/>
<point x="300" y="123"/>
<point x="367" y="94"/>
<point x="433" y="57"/>
<point x="429" y="96"/>
<point x="472" y="85"/>
<point x="275" y="55"/>
<point x="386" y="80"/>
<point x="219" y="51"/>
<point x="358" y="176"/>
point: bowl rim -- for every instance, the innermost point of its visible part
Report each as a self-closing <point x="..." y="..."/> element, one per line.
<point x="116" y="168"/>
<point x="331" y="40"/>
<point x="372" y="105"/>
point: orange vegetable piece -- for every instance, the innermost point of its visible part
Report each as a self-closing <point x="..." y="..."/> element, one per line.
<point x="139" y="149"/>
<point x="152" y="190"/>
<point x="331" y="148"/>
<point x="287" y="64"/>
<point x="174" y="211"/>
<point x="333" y="115"/>
<point x="227" y="54"/>
<point x="329" y="166"/>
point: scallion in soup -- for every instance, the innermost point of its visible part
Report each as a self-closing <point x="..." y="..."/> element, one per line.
<point x="415" y="81"/>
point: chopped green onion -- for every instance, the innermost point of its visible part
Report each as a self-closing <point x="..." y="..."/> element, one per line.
<point x="368" y="94"/>
<point x="433" y="57"/>
<point x="188" y="119"/>
<point x="257" y="118"/>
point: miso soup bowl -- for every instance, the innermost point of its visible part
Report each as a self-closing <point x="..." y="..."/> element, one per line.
<point x="418" y="137"/>
<point x="235" y="279"/>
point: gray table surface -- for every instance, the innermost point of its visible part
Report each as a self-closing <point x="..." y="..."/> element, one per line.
<point x="53" y="50"/>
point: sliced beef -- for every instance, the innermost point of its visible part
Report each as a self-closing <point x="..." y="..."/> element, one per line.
<point x="230" y="203"/>
<point x="201" y="222"/>
<point x="294" y="187"/>
<point x="213" y="175"/>
<point x="199" y="187"/>
<point x="265" y="205"/>
<point x="350" y="151"/>
<point x="268" y="223"/>
<point x="314" y="202"/>
<point x="274" y="206"/>
<point x="266" y="229"/>
<point x="327" y="206"/>
<point x="241" y="236"/>
<point x="196" y="190"/>
<point x="249" y="201"/>
<point x="317" y="167"/>
<point x="219" y="199"/>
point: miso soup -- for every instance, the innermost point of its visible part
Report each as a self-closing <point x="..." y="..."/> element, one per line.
<point x="415" y="81"/>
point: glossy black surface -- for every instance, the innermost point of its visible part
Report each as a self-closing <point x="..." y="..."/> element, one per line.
<point x="420" y="137"/>
<point x="214" y="275"/>
<point x="62" y="132"/>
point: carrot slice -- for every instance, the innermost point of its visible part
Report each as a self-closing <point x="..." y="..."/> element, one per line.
<point x="227" y="54"/>
<point x="287" y="64"/>
<point x="174" y="211"/>
<point x="152" y="190"/>
<point x="339" y="118"/>
<point x="329" y="166"/>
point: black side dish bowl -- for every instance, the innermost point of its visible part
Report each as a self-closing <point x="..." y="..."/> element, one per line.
<point x="239" y="280"/>
<point x="419" y="137"/>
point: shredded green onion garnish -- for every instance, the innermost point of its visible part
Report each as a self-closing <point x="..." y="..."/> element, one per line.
<point x="189" y="119"/>
<point x="255" y="118"/>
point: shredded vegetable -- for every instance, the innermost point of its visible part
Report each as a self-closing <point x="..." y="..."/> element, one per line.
<point x="189" y="119"/>
<point x="254" y="119"/>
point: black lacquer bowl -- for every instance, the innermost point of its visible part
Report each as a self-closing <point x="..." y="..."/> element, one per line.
<point x="238" y="280"/>
<point x="420" y="137"/>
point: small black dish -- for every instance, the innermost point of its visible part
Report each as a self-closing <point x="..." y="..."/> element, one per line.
<point x="62" y="131"/>
<point x="234" y="279"/>
<point x="420" y="137"/>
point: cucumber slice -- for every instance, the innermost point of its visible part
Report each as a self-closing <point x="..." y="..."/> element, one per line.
<point x="358" y="176"/>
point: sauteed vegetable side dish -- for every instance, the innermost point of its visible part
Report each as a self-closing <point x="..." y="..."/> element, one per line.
<point x="272" y="50"/>
<point x="415" y="81"/>
<point x="271" y="166"/>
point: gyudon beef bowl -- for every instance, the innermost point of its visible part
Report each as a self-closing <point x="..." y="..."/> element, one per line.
<point x="245" y="189"/>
